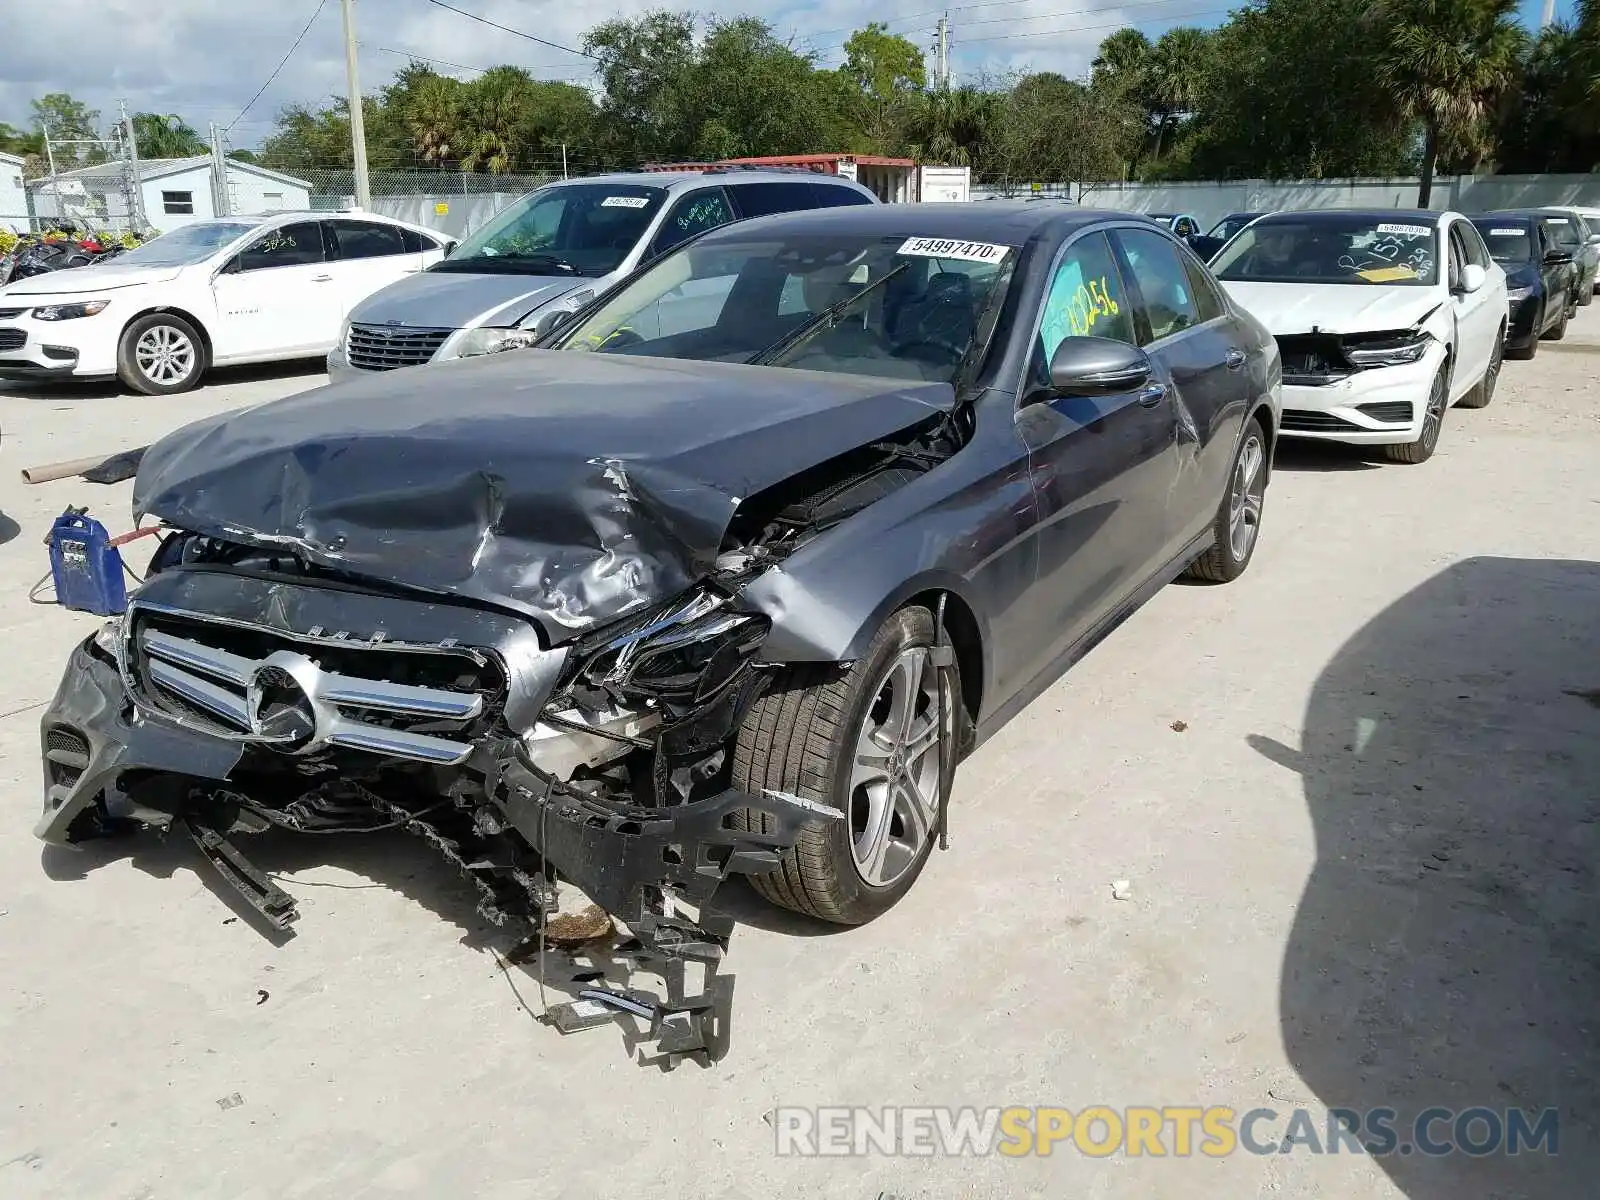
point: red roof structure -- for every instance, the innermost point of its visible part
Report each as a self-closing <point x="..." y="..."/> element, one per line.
<point x="823" y="164"/>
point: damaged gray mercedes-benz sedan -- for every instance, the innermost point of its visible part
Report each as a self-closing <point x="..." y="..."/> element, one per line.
<point x="725" y="576"/>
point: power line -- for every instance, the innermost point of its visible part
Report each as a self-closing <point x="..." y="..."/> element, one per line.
<point x="321" y="4"/>
<point x="445" y="62"/>
<point x="507" y="29"/>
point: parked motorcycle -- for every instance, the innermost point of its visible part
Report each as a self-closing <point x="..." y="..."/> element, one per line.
<point x="59" y="247"/>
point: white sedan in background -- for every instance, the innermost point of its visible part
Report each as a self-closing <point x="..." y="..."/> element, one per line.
<point x="1384" y="319"/>
<point x="216" y="292"/>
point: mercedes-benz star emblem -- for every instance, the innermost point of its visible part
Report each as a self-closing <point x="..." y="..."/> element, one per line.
<point x="280" y="703"/>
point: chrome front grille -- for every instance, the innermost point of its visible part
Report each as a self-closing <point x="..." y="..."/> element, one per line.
<point x="306" y="694"/>
<point x="385" y="347"/>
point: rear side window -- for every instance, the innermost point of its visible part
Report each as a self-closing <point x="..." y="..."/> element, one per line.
<point x="367" y="239"/>
<point x="763" y="199"/>
<point x="416" y="243"/>
<point x="1207" y="298"/>
<point x="833" y="195"/>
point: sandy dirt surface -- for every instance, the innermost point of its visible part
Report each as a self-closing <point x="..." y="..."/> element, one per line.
<point x="1354" y="797"/>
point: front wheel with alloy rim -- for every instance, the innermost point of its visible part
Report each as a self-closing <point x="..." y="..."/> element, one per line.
<point x="870" y="742"/>
<point x="1238" y="519"/>
<point x="1480" y="395"/>
<point x="160" y="355"/>
<point x="1421" y="450"/>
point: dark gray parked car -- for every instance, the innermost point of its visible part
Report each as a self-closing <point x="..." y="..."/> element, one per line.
<point x="699" y="586"/>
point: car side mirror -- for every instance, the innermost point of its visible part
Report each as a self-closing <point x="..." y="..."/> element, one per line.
<point x="1473" y="277"/>
<point x="450" y="248"/>
<point x="549" y="322"/>
<point x="1594" y="239"/>
<point x="1097" y="366"/>
<point x="1557" y="258"/>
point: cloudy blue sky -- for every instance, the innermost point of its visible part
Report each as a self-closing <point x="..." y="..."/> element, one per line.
<point x="205" y="59"/>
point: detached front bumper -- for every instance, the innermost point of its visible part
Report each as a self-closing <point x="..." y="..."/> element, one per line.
<point x="92" y="737"/>
<point x="1380" y="406"/>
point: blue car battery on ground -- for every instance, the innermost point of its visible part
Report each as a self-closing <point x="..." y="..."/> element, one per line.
<point x="86" y="566"/>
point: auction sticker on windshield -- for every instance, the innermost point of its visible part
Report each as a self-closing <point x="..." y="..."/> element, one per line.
<point x="1406" y="230"/>
<point x="1507" y="232"/>
<point x="927" y="247"/>
<point x="624" y="202"/>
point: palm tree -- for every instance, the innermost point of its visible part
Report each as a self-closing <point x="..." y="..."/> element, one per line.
<point x="1173" y="74"/>
<point x="166" y="136"/>
<point x="1122" y="61"/>
<point x="1444" y="63"/>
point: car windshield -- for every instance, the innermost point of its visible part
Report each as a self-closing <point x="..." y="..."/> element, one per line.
<point x="1508" y="242"/>
<point x="1566" y="229"/>
<point x="564" y="229"/>
<point x="187" y="245"/>
<point x="904" y="307"/>
<point x="1353" y="248"/>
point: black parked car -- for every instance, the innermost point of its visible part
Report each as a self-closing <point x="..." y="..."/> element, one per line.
<point x="725" y="576"/>
<point x="1572" y="235"/>
<point x="1541" y="279"/>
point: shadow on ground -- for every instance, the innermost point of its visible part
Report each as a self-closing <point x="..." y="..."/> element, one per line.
<point x="8" y="529"/>
<point x="1447" y="950"/>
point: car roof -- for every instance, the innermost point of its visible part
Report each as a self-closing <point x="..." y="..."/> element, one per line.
<point x="1006" y="222"/>
<point x="678" y="179"/>
<point x="1503" y="217"/>
<point x="1429" y="216"/>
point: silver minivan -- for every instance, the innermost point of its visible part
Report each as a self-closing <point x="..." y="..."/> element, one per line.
<point x="553" y="251"/>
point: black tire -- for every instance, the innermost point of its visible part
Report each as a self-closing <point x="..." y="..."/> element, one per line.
<point x="1227" y="558"/>
<point x="1421" y="450"/>
<point x="139" y="362"/>
<point x="801" y="737"/>
<point x="1559" y="330"/>
<point x="1483" y="392"/>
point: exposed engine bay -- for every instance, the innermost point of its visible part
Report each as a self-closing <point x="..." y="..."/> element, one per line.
<point x="254" y="686"/>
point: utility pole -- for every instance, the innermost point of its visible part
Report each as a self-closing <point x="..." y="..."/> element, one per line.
<point x="1549" y="16"/>
<point x="358" y="129"/>
<point x="941" y="54"/>
<point x="135" y="184"/>
<point x="563" y="160"/>
<point x="221" y="196"/>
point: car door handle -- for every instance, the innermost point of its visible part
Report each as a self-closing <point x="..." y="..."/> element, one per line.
<point x="1234" y="358"/>
<point x="1152" y="395"/>
<point x="322" y="279"/>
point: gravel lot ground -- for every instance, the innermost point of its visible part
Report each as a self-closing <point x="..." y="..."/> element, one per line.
<point x="1355" y="796"/>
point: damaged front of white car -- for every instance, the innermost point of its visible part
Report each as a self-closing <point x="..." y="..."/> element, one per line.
<point x="1384" y="320"/>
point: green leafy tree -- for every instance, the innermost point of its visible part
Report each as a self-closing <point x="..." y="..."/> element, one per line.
<point x="61" y="118"/>
<point x="645" y="65"/>
<point x="1173" y="77"/>
<point x="1445" y="63"/>
<point x="1266" y="108"/>
<point x="889" y="75"/>
<point x="1054" y="129"/>
<point x="1547" y="122"/>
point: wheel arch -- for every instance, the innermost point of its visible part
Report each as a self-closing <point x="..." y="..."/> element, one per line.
<point x="836" y="629"/>
<point x="175" y="311"/>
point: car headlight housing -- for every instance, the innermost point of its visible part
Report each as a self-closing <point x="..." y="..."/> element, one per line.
<point x="70" y="312"/>
<point x="1394" y="350"/>
<point x="1519" y="293"/>
<point x="488" y="340"/>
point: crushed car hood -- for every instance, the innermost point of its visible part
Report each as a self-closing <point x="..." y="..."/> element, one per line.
<point x="455" y="300"/>
<point x="1334" y="308"/>
<point x="572" y="487"/>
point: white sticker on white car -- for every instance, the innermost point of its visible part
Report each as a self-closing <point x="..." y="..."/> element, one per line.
<point x="1406" y="230"/>
<point x="1556" y="220"/>
<point x="1508" y="233"/>
<point x="929" y="247"/>
<point x="624" y="202"/>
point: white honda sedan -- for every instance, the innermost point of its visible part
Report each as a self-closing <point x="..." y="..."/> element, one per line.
<point x="216" y="292"/>
<point x="1384" y="319"/>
